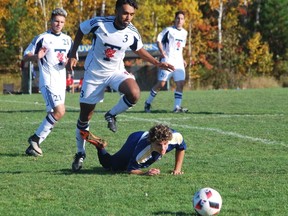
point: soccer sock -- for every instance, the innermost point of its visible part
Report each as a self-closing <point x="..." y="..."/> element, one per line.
<point x="101" y="151"/>
<point x="45" y="128"/>
<point x="80" y="142"/>
<point x="178" y="99"/>
<point x="104" y="158"/>
<point x="122" y="105"/>
<point x="151" y="97"/>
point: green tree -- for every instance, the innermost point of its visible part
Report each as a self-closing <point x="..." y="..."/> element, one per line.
<point x="274" y="25"/>
<point x="12" y="35"/>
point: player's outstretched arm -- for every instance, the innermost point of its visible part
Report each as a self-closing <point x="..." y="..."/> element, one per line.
<point x="147" y="57"/>
<point x="150" y="172"/>
<point x="179" y="157"/>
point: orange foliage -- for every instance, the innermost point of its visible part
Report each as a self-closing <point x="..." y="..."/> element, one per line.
<point x="243" y="11"/>
<point x="202" y="59"/>
<point x="214" y="45"/>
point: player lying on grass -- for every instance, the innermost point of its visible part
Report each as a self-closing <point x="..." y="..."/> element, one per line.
<point x="141" y="149"/>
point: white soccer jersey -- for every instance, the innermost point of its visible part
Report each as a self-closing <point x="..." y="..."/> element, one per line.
<point x="173" y="41"/>
<point x="52" y="65"/>
<point x="109" y="46"/>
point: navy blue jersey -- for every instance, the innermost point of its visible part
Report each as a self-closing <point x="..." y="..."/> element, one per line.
<point x="136" y="153"/>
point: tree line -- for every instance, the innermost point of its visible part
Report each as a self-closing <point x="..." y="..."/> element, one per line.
<point x="229" y="41"/>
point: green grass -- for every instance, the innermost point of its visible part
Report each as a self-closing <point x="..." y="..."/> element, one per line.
<point x="237" y="144"/>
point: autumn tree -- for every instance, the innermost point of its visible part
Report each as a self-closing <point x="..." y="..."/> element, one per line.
<point x="223" y="43"/>
<point x="260" y="58"/>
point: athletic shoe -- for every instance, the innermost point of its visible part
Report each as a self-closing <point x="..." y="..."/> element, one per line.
<point x="111" y="119"/>
<point x="180" y="110"/>
<point x="78" y="161"/>
<point x="31" y="152"/>
<point x="147" y="107"/>
<point x="94" y="140"/>
<point x="33" y="141"/>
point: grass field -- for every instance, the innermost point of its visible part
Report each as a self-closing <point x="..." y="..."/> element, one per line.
<point x="237" y="144"/>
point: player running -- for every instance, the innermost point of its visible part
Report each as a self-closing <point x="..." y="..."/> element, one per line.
<point x="50" y="49"/>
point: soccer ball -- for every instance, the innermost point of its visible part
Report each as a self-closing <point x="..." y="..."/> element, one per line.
<point x="207" y="201"/>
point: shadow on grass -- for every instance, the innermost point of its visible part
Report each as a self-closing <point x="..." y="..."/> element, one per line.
<point x="21" y="111"/>
<point x="12" y="154"/>
<point x="94" y="171"/>
<point x="175" y="213"/>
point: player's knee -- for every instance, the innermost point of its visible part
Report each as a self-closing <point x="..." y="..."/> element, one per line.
<point x="162" y="84"/>
<point x="133" y="96"/>
<point x="59" y="114"/>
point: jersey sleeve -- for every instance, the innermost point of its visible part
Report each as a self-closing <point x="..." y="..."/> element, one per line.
<point x="92" y="24"/>
<point x="137" y="44"/>
<point x="32" y="46"/>
<point x="161" y="34"/>
<point x="137" y="41"/>
<point x="133" y="165"/>
<point x="177" y="142"/>
<point x="87" y="25"/>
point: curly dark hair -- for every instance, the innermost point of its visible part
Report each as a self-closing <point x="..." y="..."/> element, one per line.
<point x="159" y="133"/>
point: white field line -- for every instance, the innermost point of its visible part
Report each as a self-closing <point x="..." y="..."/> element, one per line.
<point x="215" y="130"/>
<point x="164" y="121"/>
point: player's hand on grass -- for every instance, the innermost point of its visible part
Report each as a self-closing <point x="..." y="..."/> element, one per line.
<point x="153" y="171"/>
<point x="177" y="172"/>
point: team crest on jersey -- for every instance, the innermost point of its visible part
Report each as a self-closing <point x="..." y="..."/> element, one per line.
<point x="178" y="44"/>
<point x="61" y="57"/>
<point x="110" y="51"/>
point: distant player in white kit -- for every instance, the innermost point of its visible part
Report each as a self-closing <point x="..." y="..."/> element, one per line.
<point x="50" y="49"/>
<point x="171" y="42"/>
<point x="104" y="67"/>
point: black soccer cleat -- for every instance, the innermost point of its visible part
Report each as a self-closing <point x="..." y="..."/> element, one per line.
<point x="31" y="152"/>
<point x="78" y="161"/>
<point x="147" y="107"/>
<point x="111" y="119"/>
<point x="34" y="145"/>
<point x="180" y="110"/>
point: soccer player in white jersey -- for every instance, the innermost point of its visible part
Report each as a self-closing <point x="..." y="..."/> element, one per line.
<point x="50" y="49"/>
<point x="171" y="42"/>
<point x="104" y="67"/>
